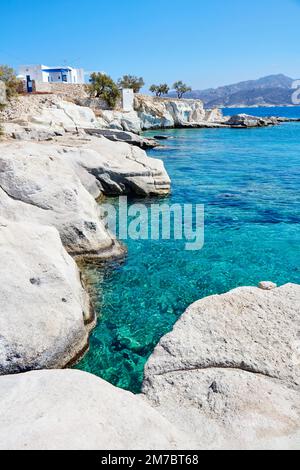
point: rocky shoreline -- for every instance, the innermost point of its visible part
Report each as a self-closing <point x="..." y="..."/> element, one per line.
<point x="56" y="160"/>
<point x="49" y="190"/>
<point x="226" y="377"/>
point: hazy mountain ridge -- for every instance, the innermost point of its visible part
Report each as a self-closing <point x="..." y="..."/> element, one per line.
<point x="273" y="90"/>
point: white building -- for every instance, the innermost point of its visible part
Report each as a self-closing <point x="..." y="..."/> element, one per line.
<point x="44" y="74"/>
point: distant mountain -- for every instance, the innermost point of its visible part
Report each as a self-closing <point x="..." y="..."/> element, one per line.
<point x="274" y="90"/>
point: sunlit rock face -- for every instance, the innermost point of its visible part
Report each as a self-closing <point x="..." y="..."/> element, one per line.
<point x="157" y="113"/>
<point x="71" y="410"/>
<point x="56" y="184"/>
<point x="228" y="373"/>
<point x="44" y="310"/>
<point x="38" y="184"/>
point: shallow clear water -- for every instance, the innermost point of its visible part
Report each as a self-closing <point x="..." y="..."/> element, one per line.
<point x="249" y="181"/>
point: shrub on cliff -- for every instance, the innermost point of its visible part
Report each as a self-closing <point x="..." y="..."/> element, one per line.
<point x="8" y="76"/>
<point x="181" y="88"/>
<point x="160" y="90"/>
<point x="102" y="86"/>
<point x="132" y="82"/>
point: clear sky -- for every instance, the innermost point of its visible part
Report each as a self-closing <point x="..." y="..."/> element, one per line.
<point x="205" y="43"/>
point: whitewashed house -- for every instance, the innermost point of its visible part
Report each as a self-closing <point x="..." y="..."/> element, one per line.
<point x="45" y="74"/>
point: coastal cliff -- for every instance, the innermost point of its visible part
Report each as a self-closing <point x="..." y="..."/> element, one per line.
<point x="161" y="113"/>
<point x="227" y="376"/>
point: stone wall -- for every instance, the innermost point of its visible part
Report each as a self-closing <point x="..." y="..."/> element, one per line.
<point x="69" y="91"/>
<point x="96" y="104"/>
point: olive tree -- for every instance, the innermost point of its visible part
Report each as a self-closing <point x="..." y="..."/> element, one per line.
<point x="181" y="88"/>
<point x="8" y="76"/>
<point x="160" y="90"/>
<point x="102" y="86"/>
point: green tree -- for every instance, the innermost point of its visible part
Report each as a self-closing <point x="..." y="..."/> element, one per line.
<point x="132" y="82"/>
<point x="8" y="76"/>
<point x="181" y="88"/>
<point x="160" y="90"/>
<point x="102" y="86"/>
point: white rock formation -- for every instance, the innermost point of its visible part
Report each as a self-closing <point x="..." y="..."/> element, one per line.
<point x="116" y="135"/>
<point x="38" y="184"/>
<point x="267" y="285"/>
<point x="50" y="184"/>
<point x="229" y="371"/>
<point x="119" y="168"/>
<point x="246" y="121"/>
<point x="157" y="113"/>
<point x="49" y="113"/>
<point x="127" y="121"/>
<point x="160" y="113"/>
<point x="72" y="410"/>
<point x="43" y="306"/>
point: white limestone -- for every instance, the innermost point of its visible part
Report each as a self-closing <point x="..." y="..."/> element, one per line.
<point x="72" y="410"/>
<point x="43" y="307"/>
<point x="229" y="372"/>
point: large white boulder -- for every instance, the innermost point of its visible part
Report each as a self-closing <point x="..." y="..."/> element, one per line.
<point x="48" y="113"/>
<point x="65" y="115"/>
<point x="119" y="168"/>
<point x="38" y="184"/>
<point x="72" y="410"/>
<point x="44" y="310"/>
<point x="229" y="371"/>
<point x="126" y="121"/>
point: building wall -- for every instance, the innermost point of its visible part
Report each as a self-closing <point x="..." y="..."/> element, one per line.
<point x="127" y="99"/>
<point x="80" y="76"/>
<point x="35" y="72"/>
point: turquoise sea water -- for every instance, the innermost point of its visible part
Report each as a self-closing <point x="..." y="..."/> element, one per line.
<point x="249" y="181"/>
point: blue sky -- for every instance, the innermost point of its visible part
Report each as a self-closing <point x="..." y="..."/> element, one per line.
<point x="205" y="43"/>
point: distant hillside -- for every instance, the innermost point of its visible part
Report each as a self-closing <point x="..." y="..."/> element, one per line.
<point x="274" y="90"/>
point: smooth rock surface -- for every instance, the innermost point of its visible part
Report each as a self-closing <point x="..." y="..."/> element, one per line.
<point x="228" y="408"/>
<point x="123" y="136"/>
<point x="43" y="307"/>
<point x="246" y="121"/>
<point x="229" y="371"/>
<point x="117" y="167"/>
<point x="72" y="410"/>
<point x="126" y="121"/>
<point x="38" y="184"/>
<point x="48" y="112"/>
